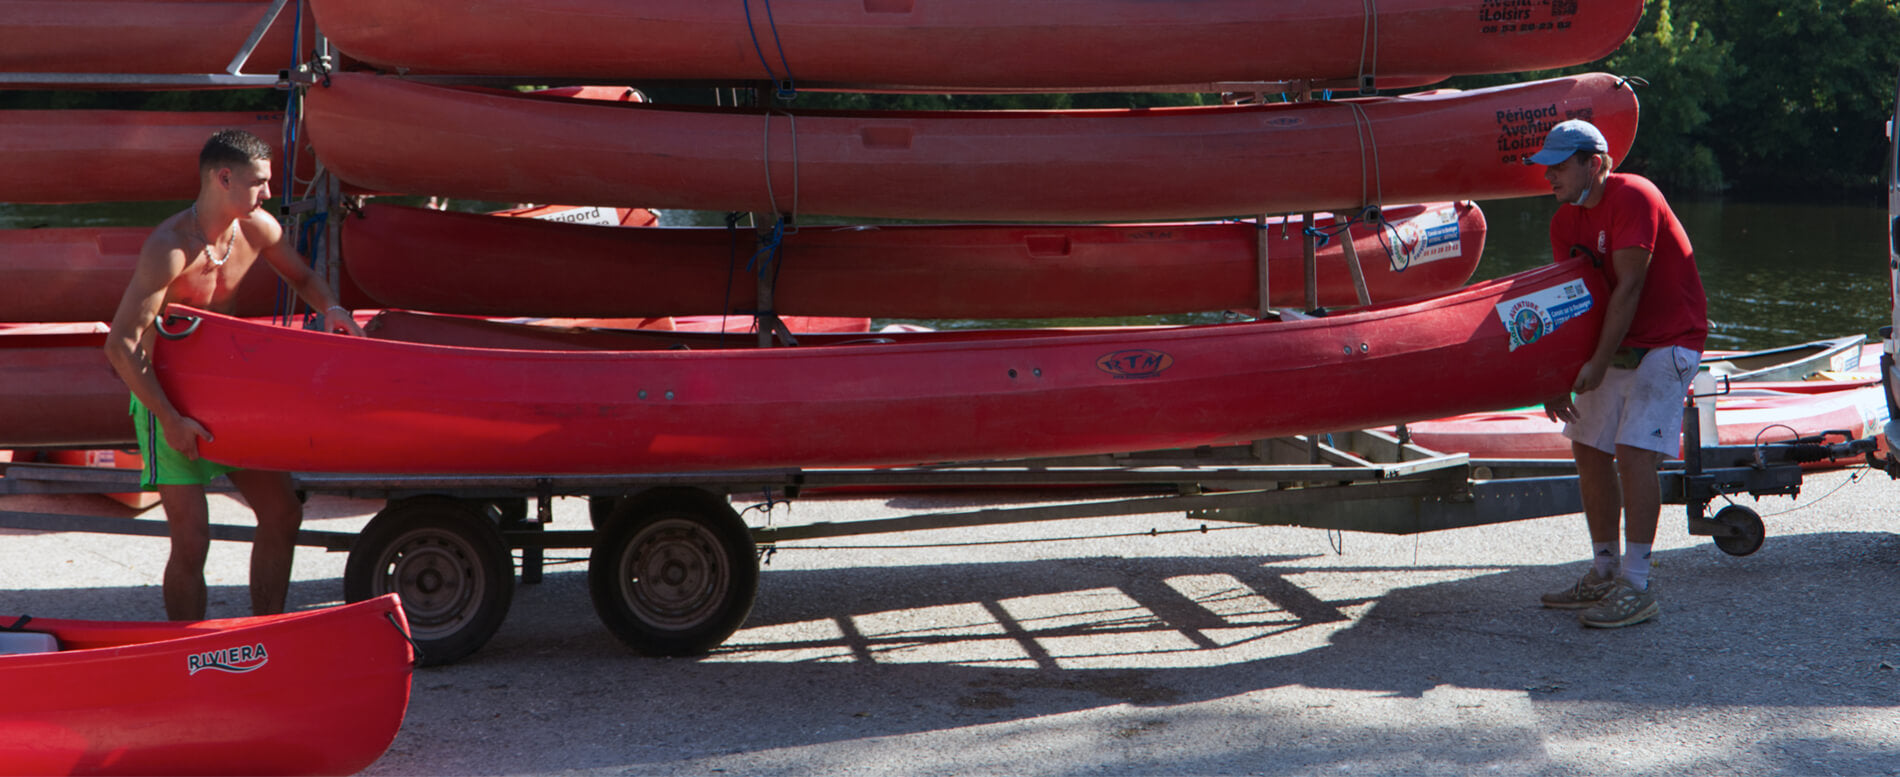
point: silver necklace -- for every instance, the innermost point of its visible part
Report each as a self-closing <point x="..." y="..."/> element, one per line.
<point x="230" y="240"/>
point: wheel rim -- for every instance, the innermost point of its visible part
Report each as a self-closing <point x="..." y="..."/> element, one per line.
<point x="1753" y="533"/>
<point x="438" y="577"/>
<point x="673" y="574"/>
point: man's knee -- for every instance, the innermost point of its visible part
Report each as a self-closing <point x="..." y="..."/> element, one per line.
<point x="281" y="518"/>
<point x="1634" y="459"/>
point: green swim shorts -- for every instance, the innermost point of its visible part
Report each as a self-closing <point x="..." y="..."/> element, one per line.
<point x="164" y="465"/>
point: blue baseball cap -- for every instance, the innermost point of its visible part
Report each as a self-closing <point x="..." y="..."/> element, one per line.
<point x="1566" y="139"/>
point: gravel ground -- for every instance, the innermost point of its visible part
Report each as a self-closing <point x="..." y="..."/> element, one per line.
<point x="1275" y="651"/>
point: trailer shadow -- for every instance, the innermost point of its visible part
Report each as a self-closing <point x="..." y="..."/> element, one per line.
<point x="1289" y="648"/>
<point x="858" y="654"/>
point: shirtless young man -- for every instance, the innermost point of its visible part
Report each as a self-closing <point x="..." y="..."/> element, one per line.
<point x="197" y="257"/>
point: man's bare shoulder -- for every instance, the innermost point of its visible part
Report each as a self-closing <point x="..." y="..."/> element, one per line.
<point x="168" y="243"/>
<point x="261" y="228"/>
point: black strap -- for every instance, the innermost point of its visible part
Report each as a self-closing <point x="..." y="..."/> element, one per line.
<point x="19" y="625"/>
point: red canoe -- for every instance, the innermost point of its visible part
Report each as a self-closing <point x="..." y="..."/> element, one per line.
<point x="385" y="134"/>
<point x="477" y="265"/>
<point x="56" y="389"/>
<point x="982" y="44"/>
<point x="60" y="156"/>
<point x="1750" y="414"/>
<point x="316" y="692"/>
<point x="140" y="36"/>
<point x="80" y="273"/>
<point x="278" y="398"/>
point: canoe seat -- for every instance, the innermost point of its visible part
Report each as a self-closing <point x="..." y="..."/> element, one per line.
<point x="21" y="642"/>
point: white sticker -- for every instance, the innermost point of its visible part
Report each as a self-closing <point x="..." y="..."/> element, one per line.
<point x="1530" y="317"/>
<point x="605" y="217"/>
<point x="1425" y="238"/>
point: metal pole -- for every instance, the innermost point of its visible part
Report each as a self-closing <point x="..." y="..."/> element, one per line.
<point x="1352" y="266"/>
<point x="1260" y="266"/>
<point x="1310" y="249"/>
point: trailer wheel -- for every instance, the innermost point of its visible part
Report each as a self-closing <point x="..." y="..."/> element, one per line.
<point x="674" y="572"/>
<point x="447" y="561"/>
<point x="1748" y="522"/>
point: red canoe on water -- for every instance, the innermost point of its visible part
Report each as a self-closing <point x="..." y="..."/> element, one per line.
<point x="982" y="44"/>
<point x="286" y="399"/>
<point x="477" y="265"/>
<point x="140" y="36"/>
<point x="59" y="156"/>
<point x="316" y="692"/>
<point x="384" y="134"/>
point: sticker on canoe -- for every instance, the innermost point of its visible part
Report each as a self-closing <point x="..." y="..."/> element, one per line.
<point x="1135" y="363"/>
<point x="601" y="217"/>
<point x="1530" y="317"/>
<point x="1427" y="238"/>
<point x="235" y="660"/>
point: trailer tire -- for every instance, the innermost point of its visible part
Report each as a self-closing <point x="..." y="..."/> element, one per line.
<point x="447" y="561"/>
<point x="674" y="572"/>
<point x="1748" y="523"/>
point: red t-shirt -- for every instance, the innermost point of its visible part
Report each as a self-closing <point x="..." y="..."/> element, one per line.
<point x="1673" y="309"/>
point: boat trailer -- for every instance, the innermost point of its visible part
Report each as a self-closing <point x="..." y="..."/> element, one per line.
<point x="673" y="568"/>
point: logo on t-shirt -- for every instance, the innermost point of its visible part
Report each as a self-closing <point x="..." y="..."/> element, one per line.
<point x="1603" y="241"/>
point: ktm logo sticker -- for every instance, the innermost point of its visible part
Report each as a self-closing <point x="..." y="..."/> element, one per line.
<point x="1137" y="363"/>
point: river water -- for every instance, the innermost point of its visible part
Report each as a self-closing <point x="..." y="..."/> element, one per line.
<point x="1776" y="273"/>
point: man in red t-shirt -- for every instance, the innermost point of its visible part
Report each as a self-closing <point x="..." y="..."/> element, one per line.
<point x="1626" y="416"/>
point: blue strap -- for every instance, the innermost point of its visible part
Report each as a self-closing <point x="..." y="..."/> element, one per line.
<point x="768" y="247"/>
<point x="787" y="89"/>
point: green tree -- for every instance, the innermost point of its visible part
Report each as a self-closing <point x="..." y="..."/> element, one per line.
<point x="1688" y="73"/>
<point x="1803" y="114"/>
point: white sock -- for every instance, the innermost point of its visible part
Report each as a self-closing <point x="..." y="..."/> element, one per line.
<point x="1604" y="555"/>
<point x="1637" y="571"/>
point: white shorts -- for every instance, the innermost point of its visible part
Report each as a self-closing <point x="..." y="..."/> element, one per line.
<point x="1641" y="408"/>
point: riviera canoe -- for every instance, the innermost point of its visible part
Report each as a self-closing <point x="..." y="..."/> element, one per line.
<point x="1062" y="45"/>
<point x="141" y="36"/>
<point x="285" y="399"/>
<point x="382" y="133"/>
<point x="477" y="265"/>
<point x="1751" y="413"/>
<point x="315" y="692"/>
<point x="62" y="156"/>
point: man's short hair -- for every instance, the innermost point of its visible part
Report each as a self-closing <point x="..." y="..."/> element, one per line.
<point x="232" y="148"/>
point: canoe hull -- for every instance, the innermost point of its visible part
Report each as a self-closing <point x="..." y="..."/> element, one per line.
<point x="977" y="44"/>
<point x="64" y="156"/>
<point x="384" y="134"/>
<point x="59" y="391"/>
<point x="292" y="400"/>
<point x="80" y="274"/>
<point x="317" y="692"/>
<point x="475" y="265"/>
<point x="140" y="36"/>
